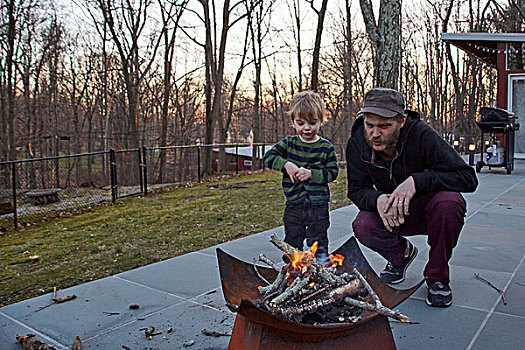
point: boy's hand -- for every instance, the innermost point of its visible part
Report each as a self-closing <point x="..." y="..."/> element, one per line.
<point x="291" y="170"/>
<point x="303" y="174"/>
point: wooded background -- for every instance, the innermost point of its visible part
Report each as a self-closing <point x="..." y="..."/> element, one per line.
<point x="90" y="75"/>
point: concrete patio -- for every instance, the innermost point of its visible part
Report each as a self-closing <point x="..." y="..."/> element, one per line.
<point x="182" y="296"/>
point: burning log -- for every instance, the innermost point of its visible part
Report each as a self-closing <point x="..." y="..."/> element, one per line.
<point x="306" y="291"/>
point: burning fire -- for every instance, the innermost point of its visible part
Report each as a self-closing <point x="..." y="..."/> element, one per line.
<point x="301" y="260"/>
<point x="336" y="260"/>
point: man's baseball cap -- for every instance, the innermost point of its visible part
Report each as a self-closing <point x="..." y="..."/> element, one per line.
<point x="384" y="102"/>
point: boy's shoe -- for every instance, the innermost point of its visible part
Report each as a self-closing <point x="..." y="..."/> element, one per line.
<point x="396" y="274"/>
<point x="439" y="294"/>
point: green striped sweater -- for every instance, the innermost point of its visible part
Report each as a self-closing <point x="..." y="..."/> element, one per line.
<point x="319" y="157"/>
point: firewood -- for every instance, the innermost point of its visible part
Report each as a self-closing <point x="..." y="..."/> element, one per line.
<point x="368" y="287"/>
<point x="275" y="285"/>
<point x="331" y="278"/>
<point x="292" y="295"/>
<point x="330" y="298"/>
<point x="30" y="342"/>
<point x="310" y="306"/>
<point x="317" y="292"/>
<point x="292" y="290"/>
<point x="257" y="272"/>
<point x="380" y="309"/>
<point x="270" y="263"/>
<point x="349" y="289"/>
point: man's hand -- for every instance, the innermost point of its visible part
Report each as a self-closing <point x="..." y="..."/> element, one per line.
<point x="399" y="201"/>
<point x="387" y="215"/>
<point x="303" y="174"/>
<point x="291" y="170"/>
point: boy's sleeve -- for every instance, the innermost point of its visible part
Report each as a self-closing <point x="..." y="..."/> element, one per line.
<point x="325" y="171"/>
<point x="277" y="156"/>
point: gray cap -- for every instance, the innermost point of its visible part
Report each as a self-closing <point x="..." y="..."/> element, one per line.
<point x="384" y="102"/>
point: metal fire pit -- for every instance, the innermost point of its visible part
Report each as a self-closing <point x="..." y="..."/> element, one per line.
<point x="255" y="328"/>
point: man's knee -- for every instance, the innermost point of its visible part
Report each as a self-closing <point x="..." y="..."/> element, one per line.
<point x="446" y="203"/>
<point x="364" y="225"/>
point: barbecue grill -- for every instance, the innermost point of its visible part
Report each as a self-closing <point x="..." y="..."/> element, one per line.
<point x="498" y="124"/>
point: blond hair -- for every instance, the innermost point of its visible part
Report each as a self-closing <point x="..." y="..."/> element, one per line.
<point x="307" y="105"/>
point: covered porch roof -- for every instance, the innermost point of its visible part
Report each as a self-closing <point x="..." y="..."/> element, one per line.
<point x="483" y="45"/>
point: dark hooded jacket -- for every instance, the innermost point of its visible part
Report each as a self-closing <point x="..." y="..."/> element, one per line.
<point x="421" y="153"/>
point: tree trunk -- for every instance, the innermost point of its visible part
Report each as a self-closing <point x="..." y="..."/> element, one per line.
<point x="317" y="45"/>
<point x="11" y="29"/>
<point x="386" y="40"/>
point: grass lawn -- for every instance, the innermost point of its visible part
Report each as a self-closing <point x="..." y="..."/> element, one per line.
<point x="110" y="238"/>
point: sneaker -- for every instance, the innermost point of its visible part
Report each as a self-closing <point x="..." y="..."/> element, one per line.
<point x="439" y="294"/>
<point x="396" y="274"/>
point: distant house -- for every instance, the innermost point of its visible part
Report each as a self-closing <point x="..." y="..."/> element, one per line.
<point x="243" y="155"/>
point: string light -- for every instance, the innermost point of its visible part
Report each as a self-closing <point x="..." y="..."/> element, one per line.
<point x="491" y="50"/>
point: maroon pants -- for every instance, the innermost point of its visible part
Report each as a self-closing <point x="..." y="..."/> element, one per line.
<point x="439" y="215"/>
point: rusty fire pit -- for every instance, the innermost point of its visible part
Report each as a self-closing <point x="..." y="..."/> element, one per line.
<point x="255" y="328"/>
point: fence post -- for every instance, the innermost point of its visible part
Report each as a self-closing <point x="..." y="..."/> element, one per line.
<point x="13" y="177"/>
<point x="236" y="158"/>
<point x="139" y="154"/>
<point x="113" y="175"/>
<point x="57" y="173"/>
<point x="262" y="156"/>
<point x="145" y="169"/>
<point x="199" y="162"/>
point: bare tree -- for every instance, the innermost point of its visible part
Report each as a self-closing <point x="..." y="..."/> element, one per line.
<point x="171" y="16"/>
<point x="385" y="35"/>
<point x="215" y="56"/>
<point x="126" y="21"/>
<point x="317" y="44"/>
<point x="259" y="26"/>
<point x="295" y="12"/>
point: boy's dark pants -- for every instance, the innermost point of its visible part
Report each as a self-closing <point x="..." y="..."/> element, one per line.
<point x="307" y="221"/>
<point x="439" y="215"/>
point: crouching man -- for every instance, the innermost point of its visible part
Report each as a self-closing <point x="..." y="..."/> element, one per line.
<point x="406" y="180"/>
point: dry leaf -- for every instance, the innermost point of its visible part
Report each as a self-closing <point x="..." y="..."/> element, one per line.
<point x="77" y="344"/>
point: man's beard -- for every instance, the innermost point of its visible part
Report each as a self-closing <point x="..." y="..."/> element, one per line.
<point x="390" y="142"/>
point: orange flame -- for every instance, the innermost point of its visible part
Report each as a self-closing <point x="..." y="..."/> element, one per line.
<point x="336" y="259"/>
<point x="297" y="261"/>
<point x="301" y="260"/>
<point x="313" y="248"/>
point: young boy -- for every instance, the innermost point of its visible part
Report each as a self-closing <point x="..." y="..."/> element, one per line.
<point x="308" y="163"/>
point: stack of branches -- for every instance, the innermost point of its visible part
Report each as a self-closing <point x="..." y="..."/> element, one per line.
<point x="307" y="292"/>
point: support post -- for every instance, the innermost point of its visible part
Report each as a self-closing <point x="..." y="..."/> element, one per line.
<point x="236" y="158"/>
<point x="113" y="175"/>
<point x="13" y="178"/>
<point x="144" y="167"/>
<point x="199" y="162"/>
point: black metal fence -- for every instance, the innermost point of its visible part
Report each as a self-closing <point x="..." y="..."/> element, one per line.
<point x="34" y="189"/>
